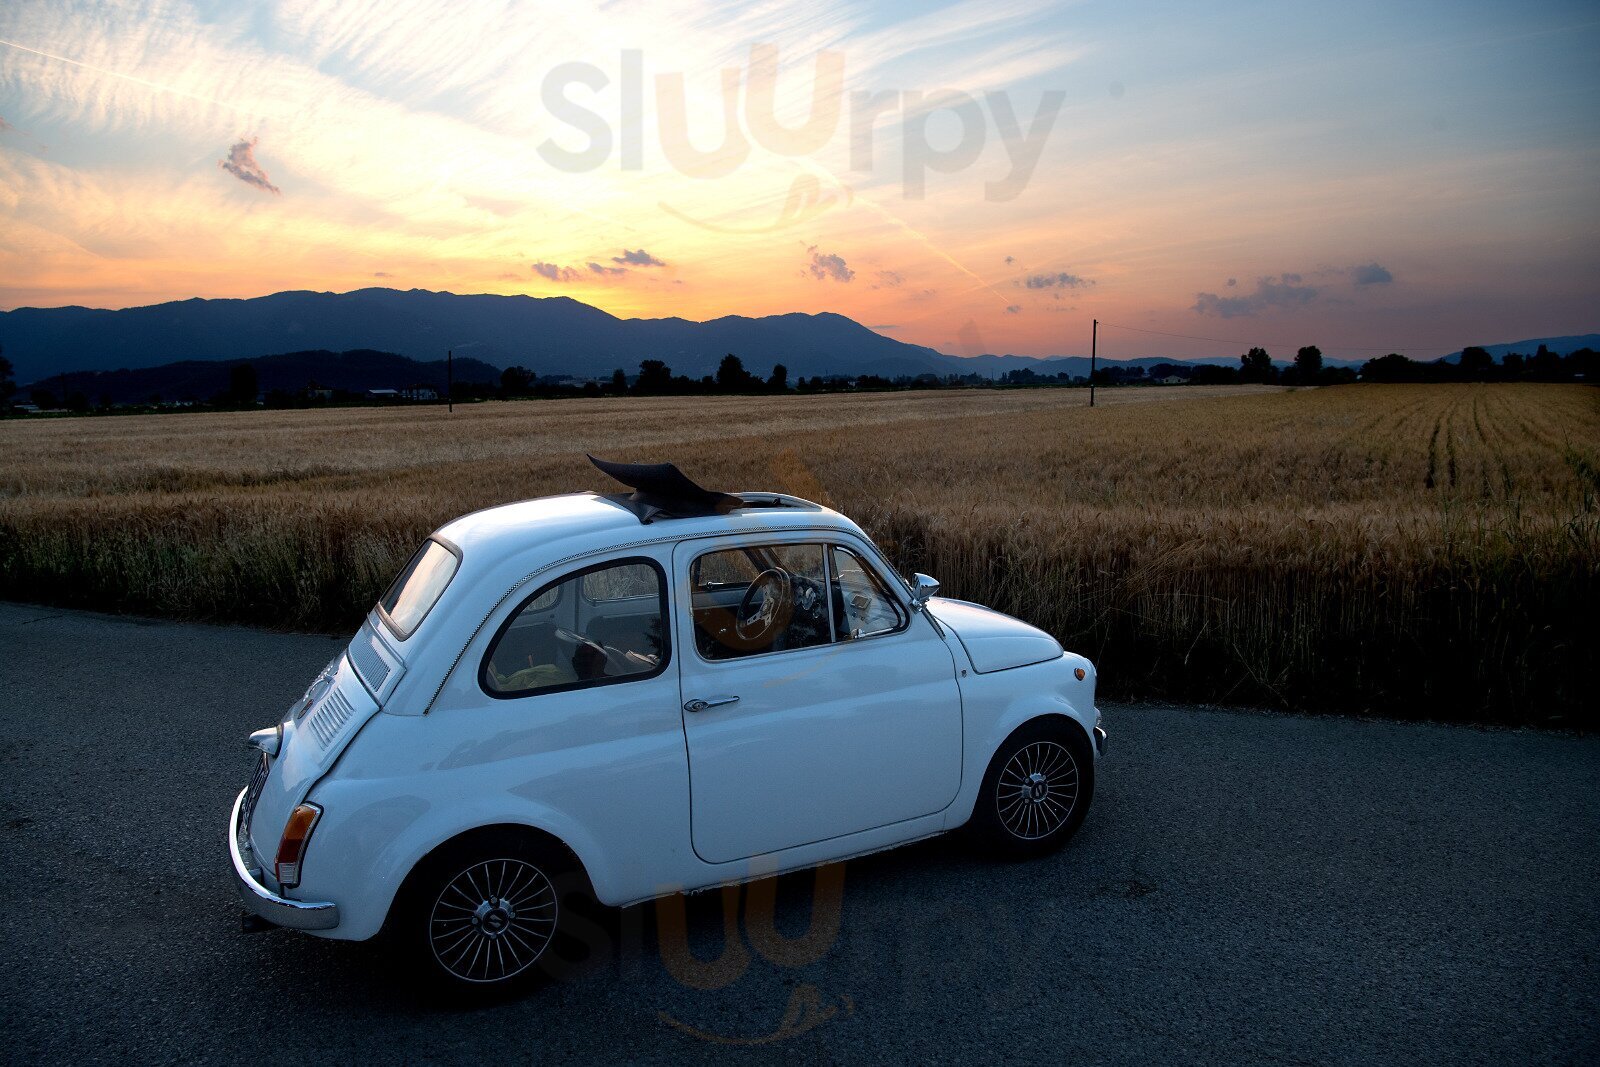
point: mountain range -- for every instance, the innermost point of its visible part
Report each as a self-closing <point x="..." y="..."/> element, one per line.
<point x="549" y="335"/>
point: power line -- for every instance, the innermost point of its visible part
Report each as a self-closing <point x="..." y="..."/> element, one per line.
<point x="1235" y="341"/>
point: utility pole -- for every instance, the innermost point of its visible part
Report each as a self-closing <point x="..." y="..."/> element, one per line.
<point x="450" y="381"/>
<point x="1094" y="340"/>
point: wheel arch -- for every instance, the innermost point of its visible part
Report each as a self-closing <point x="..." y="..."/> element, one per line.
<point x="484" y="832"/>
<point x="985" y="744"/>
<point x="1054" y="715"/>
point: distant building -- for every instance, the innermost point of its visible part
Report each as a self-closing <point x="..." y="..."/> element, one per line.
<point x="383" y="394"/>
<point x="419" y="392"/>
<point x="1172" y="379"/>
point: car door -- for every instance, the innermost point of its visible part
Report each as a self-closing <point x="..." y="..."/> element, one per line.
<point x="803" y="726"/>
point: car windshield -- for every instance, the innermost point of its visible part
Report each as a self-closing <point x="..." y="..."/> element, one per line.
<point x="418" y="588"/>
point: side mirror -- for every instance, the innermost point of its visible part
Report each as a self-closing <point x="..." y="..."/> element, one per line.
<point x="922" y="587"/>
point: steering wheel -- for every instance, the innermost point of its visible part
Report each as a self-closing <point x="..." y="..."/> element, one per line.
<point x="777" y="604"/>
<point x="589" y="657"/>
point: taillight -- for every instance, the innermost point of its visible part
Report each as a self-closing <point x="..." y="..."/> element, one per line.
<point x="292" y="849"/>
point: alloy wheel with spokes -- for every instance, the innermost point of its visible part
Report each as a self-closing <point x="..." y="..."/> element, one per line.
<point x="493" y="920"/>
<point x="1037" y="790"/>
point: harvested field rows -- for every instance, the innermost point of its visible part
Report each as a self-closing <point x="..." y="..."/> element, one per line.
<point x="1419" y="550"/>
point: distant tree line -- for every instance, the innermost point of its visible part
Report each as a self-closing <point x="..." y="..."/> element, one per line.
<point x="655" y="378"/>
<point x="1477" y="365"/>
<point x="1474" y="365"/>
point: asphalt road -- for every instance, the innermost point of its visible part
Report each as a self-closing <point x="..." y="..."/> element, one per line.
<point x="1248" y="888"/>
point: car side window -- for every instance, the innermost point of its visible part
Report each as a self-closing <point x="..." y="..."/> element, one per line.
<point x="862" y="603"/>
<point x="759" y="598"/>
<point x="602" y="625"/>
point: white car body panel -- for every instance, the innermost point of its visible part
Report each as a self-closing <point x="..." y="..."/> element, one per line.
<point x="994" y="642"/>
<point x="831" y="752"/>
<point x="824" y="742"/>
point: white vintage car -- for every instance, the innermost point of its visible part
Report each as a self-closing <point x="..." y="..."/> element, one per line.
<point x="645" y="694"/>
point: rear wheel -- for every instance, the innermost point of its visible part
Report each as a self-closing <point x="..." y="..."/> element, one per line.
<point x="484" y="913"/>
<point x="1036" y="791"/>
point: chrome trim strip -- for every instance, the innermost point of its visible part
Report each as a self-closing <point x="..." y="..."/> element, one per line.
<point x="258" y="899"/>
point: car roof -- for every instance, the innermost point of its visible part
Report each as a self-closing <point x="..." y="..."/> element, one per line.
<point x="591" y="522"/>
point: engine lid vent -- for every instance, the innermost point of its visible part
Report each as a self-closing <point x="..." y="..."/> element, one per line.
<point x="330" y="717"/>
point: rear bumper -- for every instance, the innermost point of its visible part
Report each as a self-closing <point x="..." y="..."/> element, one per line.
<point x="259" y="900"/>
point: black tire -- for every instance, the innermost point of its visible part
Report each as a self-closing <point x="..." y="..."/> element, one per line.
<point x="483" y="914"/>
<point x="1036" y="791"/>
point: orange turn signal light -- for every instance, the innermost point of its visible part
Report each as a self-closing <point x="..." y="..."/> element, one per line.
<point x="1078" y="672"/>
<point x="292" y="847"/>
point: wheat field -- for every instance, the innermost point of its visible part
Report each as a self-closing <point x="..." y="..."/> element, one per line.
<point x="1428" y="551"/>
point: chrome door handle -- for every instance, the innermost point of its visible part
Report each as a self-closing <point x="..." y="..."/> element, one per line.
<point x="711" y="702"/>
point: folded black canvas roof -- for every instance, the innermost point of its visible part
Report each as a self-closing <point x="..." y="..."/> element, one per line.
<point x="662" y="491"/>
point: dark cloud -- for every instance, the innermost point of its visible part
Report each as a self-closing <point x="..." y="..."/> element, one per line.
<point x="888" y="279"/>
<point x="382" y="274"/>
<point x="608" y="271"/>
<point x="241" y="163"/>
<point x="1232" y="282"/>
<point x="639" y="258"/>
<point x="555" y="273"/>
<point x="1014" y="309"/>
<point x="1010" y="260"/>
<point x="828" y="265"/>
<point x="1270" y="292"/>
<point x="1371" y="274"/>
<point x="1062" y="280"/>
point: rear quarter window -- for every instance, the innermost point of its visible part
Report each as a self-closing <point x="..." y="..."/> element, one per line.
<point x="418" y="588"/>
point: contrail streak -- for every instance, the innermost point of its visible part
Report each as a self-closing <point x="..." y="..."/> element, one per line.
<point x="157" y="86"/>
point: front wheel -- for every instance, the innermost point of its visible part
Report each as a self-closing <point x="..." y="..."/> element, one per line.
<point x="1036" y="791"/>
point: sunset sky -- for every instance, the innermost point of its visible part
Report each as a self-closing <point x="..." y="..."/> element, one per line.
<point x="1366" y="176"/>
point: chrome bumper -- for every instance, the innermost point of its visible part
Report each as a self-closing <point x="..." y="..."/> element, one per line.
<point x="259" y="900"/>
<point x="1099" y="741"/>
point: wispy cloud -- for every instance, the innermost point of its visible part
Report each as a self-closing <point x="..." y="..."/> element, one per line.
<point x="1061" y="280"/>
<point x="637" y="258"/>
<point x="826" y="265"/>
<point x="241" y="163"/>
<point x="605" y="271"/>
<point x="555" y="273"/>
<point x="1371" y="274"/>
<point x="1285" y="291"/>
<point x="1273" y="291"/>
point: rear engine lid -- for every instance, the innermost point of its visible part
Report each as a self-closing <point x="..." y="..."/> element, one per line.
<point x="317" y="729"/>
